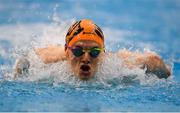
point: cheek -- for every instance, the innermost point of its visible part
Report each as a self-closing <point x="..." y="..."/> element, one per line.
<point x="74" y="61"/>
<point x="95" y="63"/>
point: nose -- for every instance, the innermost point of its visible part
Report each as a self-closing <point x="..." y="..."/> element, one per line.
<point x="86" y="58"/>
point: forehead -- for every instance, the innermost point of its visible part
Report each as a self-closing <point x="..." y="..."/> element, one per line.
<point x="86" y="43"/>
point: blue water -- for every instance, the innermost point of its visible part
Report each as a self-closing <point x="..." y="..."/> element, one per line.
<point x="132" y="24"/>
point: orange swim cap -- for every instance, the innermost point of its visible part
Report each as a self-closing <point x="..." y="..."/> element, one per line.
<point x="84" y="30"/>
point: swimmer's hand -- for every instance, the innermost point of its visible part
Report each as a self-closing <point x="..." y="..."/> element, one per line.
<point x="51" y="54"/>
<point x="155" y="65"/>
<point x="21" y="67"/>
<point x="148" y="60"/>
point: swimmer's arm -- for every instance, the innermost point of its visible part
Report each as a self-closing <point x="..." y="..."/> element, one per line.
<point x="152" y="62"/>
<point x="51" y="54"/>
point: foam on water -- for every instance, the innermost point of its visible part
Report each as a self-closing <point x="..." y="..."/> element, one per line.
<point x="112" y="89"/>
<point x="110" y="71"/>
<point x="126" y="24"/>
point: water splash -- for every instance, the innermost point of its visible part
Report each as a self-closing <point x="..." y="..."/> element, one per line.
<point x="111" y="74"/>
<point x="110" y="71"/>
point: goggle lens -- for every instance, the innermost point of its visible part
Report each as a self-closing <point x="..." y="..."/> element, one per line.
<point x="95" y="52"/>
<point x="77" y="51"/>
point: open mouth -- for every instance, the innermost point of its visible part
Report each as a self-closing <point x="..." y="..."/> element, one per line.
<point x="85" y="70"/>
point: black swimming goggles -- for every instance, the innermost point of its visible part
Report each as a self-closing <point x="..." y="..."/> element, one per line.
<point x="79" y="51"/>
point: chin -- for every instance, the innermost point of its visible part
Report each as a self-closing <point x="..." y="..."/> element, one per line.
<point x="85" y="75"/>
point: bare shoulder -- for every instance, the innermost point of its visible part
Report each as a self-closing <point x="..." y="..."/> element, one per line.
<point x="51" y="54"/>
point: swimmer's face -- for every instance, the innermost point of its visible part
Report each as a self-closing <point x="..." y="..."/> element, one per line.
<point x="84" y="66"/>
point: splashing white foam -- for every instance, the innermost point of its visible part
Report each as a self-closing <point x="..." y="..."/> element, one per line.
<point x="110" y="71"/>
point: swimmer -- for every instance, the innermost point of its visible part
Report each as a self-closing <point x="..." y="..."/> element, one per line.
<point x="84" y="49"/>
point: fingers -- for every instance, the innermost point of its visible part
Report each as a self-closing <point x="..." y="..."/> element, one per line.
<point x="21" y="67"/>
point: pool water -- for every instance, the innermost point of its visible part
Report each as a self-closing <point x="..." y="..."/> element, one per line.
<point x="137" y="25"/>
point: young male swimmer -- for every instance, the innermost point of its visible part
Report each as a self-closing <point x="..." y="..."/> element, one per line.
<point x="85" y="47"/>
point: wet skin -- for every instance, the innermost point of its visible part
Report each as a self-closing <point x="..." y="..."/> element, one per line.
<point x="84" y="66"/>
